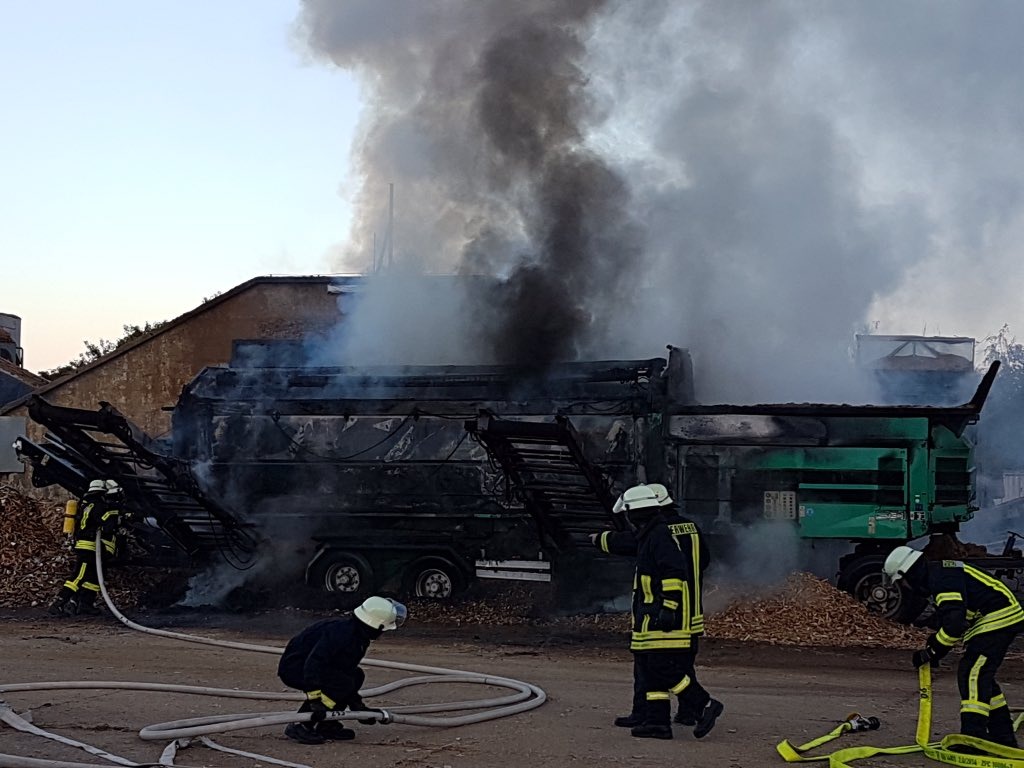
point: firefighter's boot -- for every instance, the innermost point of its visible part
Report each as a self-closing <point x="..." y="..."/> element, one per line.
<point x="971" y="724"/>
<point x="706" y="719"/>
<point x="685" y="717"/>
<point x="652" y="731"/>
<point x="1000" y="727"/>
<point x="636" y="712"/>
<point x="335" y="730"/>
<point x="59" y="606"/>
<point x="302" y="733"/>
<point x="87" y="603"/>
<point x="656" y="723"/>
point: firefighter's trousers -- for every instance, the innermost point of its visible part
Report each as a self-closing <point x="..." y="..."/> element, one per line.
<point x="83" y="581"/>
<point x="983" y="708"/>
<point x="663" y="674"/>
<point x="640" y="692"/>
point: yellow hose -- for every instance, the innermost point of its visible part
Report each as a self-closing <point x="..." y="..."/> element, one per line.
<point x="990" y="755"/>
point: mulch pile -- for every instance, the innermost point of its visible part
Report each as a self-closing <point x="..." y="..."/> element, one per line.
<point x="35" y="558"/>
<point x="806" y="611"/>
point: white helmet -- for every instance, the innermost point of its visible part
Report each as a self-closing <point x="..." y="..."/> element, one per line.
<point x="661" y="492"/>
<point x="639" y="497"/>
<point x="97" y="486"/>
<point x="899" y="562"/>
<point x="381" y="613"/>
<point x="113" y="487"/>
<point x="617" y="507"/>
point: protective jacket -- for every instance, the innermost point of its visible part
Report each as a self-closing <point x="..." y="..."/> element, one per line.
<point x="969" y="602"/>
<point x="617" y="543"/>
<point x="97" y="516"/>
<point x="323" y="660"/>
<point x="667" y="610"/>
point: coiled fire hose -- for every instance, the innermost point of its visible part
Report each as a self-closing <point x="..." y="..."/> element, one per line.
<point x="524" y="697"/>
<point x="988" y="754"/>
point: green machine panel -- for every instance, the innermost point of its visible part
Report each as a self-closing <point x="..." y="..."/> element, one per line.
<point x="833" y="492"/>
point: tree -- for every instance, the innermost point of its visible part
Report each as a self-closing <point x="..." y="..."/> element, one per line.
<point x="95" y="350"/>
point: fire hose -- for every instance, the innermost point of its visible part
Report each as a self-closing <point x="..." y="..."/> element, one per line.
<point x="984" y="753"/>
<point x="524" y="697"/>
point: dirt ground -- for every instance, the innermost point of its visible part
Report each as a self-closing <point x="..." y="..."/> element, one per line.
<point x="769" y="694"/>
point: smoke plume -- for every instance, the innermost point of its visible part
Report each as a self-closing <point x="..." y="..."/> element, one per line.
<point x="754" y="181"/>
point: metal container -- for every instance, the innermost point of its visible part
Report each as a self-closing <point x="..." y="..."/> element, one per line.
<point x="70" y="515"/>
<point x="10" y="339"/>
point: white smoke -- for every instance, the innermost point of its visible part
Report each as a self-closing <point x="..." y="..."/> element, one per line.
<point x="795" y="172"/>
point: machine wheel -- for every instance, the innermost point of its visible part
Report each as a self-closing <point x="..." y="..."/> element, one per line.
<point x="346" y="577"/>
<point x="435" y="579"/>
<point x="863" y="579"/>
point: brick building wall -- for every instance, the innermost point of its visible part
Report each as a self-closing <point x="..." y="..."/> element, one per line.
<point x="143" y="378"/>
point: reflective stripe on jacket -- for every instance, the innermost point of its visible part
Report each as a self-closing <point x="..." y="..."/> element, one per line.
<point x="970" y="602"/>
<point x="93" y="517"/>
<point x="671" y="558"/>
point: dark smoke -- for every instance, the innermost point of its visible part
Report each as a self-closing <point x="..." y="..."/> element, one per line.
<point x="532" y="107"/>
<point x="501" y="112"/>
<point x="754" y="181"/>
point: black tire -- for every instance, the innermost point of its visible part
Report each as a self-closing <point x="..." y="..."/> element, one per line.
<point x="434" y="579"/>
<point x="863" y="579"/>
<point x="345" y="577"/>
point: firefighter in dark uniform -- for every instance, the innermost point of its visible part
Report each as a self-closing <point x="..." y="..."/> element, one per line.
<point x="323" y="662"/>
<point x="99" y="511"/>
<point x="978" y="609"/>
<point x="624" y="543"/>
<point x="667" y="615"/>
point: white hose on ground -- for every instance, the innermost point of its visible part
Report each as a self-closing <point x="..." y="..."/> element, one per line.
<point x="524" y="697"/>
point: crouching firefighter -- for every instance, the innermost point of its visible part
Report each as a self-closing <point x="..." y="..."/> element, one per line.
<point x="99" y="511"/>
<point x="667" y="615"/>
<point x="323" y="662"/>
<point x="976" y="608"/>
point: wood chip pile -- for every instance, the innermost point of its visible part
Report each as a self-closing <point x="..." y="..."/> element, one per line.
<point x="805" y="611"/>
<point x="809" y="611"/>
<point x="36" y="557"/>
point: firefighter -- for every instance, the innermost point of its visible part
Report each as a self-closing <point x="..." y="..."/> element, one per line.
<point x="667" y="617"/>
<point x="624" y="543"/>
<point x="323" y="662"/>
<point x="99" y="511"/>
<point x="976" y="608"/>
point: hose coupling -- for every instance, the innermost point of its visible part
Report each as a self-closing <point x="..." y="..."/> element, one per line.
<point x="386" y="717"/>
<point x="859" y="723"/>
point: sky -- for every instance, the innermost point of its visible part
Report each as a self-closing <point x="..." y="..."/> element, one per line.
<point x="754" y="181"/>
<point x="154" y="154"/>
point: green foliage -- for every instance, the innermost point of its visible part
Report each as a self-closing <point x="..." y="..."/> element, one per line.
<point x="95" y="350"/>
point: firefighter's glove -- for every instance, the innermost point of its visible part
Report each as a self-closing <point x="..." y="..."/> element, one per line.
<point x="938" y="650"/>
<point x="931" y="621"/>
<point x="668" y="619"/>
<point x="371" y="720"/>
<point x="925" y="656"/>
<point x="318" y="709"/>
<point x="355" y="704"/>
